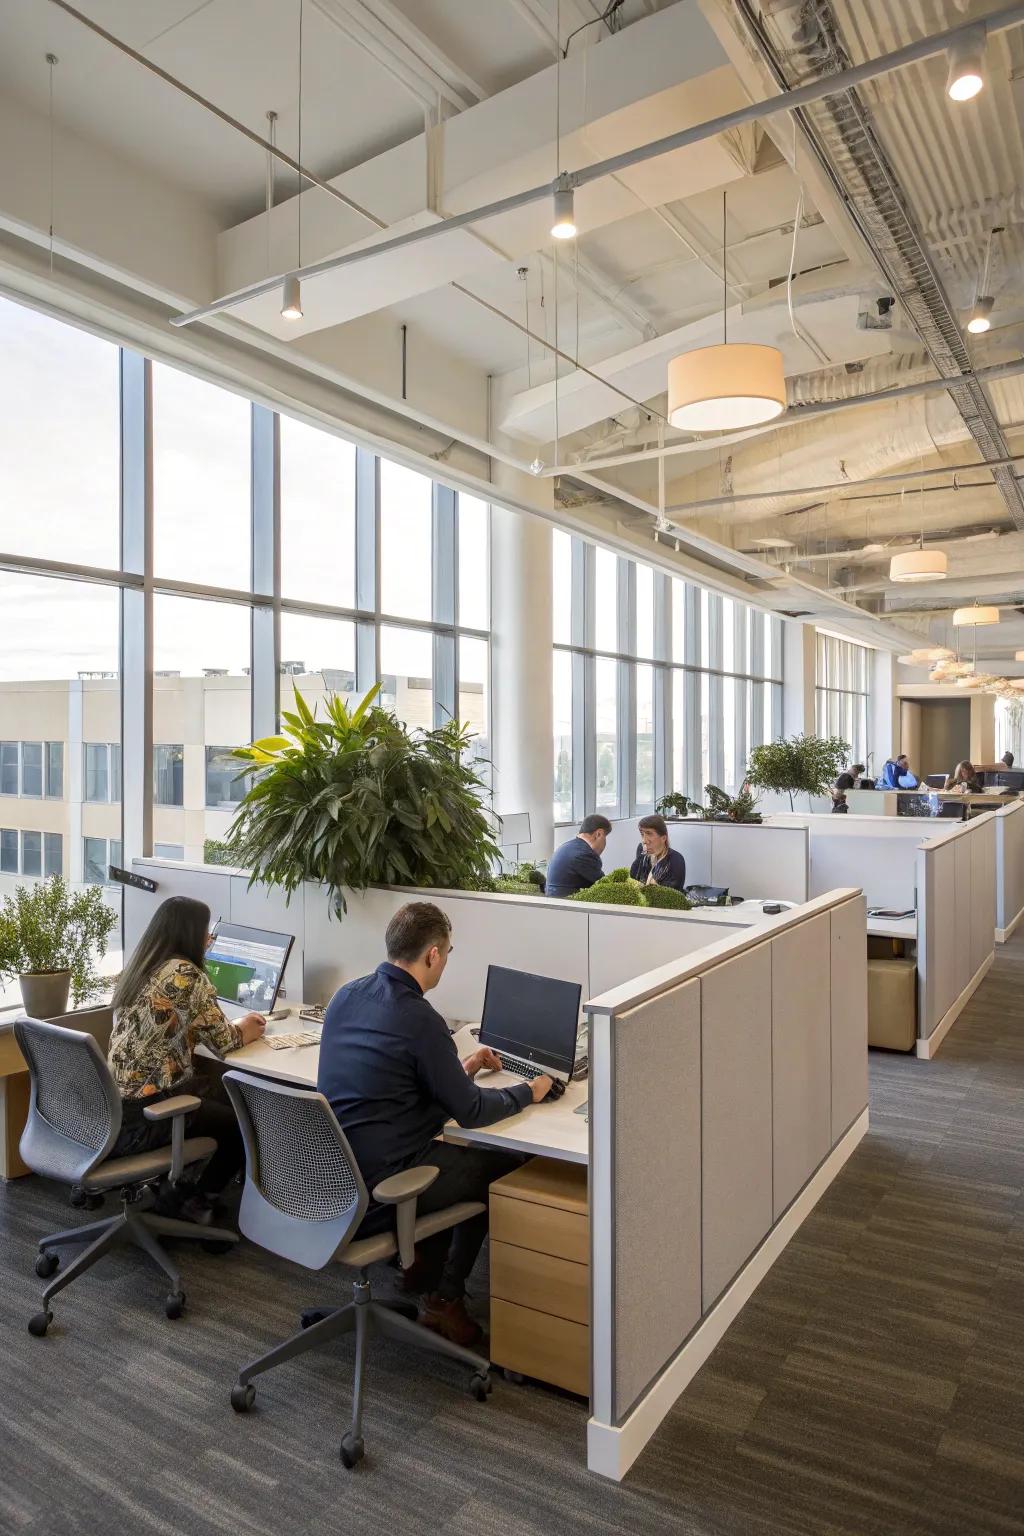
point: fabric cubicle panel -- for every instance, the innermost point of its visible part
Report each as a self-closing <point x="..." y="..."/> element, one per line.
<point x="956" y="917"/>
<point x="983" y="890"/>
<point x="801" y="1056"/>
<point x="848" y="983"/>
<point x="657" y="1130"/>
<point x="1009" y="867"/>
<point x="882" y="866"/>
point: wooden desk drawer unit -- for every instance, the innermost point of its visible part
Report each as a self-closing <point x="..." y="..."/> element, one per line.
<point x="540" y="1274"/>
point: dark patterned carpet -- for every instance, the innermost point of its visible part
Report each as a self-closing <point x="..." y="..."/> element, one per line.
<point x="875" y="1383"/>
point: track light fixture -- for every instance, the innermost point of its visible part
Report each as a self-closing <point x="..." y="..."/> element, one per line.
<point x="291" y="298"/>
<point x="563" y="225"/>
<point x="980" y="319"/>
<point x="966" y="65"/>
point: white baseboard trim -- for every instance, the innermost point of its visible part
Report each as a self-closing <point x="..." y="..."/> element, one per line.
<point x="927" y="1048"/>
<point x="1002" y="934"/>
<point x="612" y="1449"/>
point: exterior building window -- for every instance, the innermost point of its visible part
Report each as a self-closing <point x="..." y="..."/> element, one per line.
<point x="169" y="775"/>
<point x="98" y="854"/>
<point x="26" y="765"/>
<point x="8" y="851"/>
<point x="841" y="697"/>
<point x="55" y="770"/>
<point x="9" y="767"/>
<point x="53" y="853"/>
<point x="32" y="769"/>
<point x="168" y="851"/>
<point x="31" y="853"/>
<point x="224" y="786"/>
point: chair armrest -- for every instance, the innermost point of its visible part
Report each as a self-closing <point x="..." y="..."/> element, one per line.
<point x="402" y="1191"/>
<point x="175" y="1111"/>
<point x="405" y="1185"/>
<point x="181" y="1104"/>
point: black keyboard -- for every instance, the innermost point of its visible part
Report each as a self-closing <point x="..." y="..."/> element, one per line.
<point x="521" y="1068"/>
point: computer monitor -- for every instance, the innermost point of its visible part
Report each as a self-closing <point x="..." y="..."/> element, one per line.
<point x="246" y="965"/>
<point x="533" y="1017"/>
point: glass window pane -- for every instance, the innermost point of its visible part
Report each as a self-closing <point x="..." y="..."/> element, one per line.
<point x="201" y="480"/>
<point x="406" y="541"/>
<point x="97" y="785"/>
<point x="474" y="566"/>
<point x="678" y="732"/>
<point x="53" y="854"/>
<point x="406" y="669"/>
<point x="606" y="601"/>
<point x="705" y="627"/>
<point x="706" y="727"/>
<point x="563" y="735"/>
<point x="9" y="757"/>
<point x="225" y="786"/>
<point x="55" y="770"/>
<point x="31" y="853"/>
<point x="168" y="851"/>
<point x="561" y="586"/>
<point x="644" y="611"/>
<point x="607" y="720"/>
<point x="728" y="635"/>
<point x="644" y="736"/>
<point x="115" y="770"/>
<point x="32" y="768"/>
<point x="59" y="440"/>
<point x="678" y="619"/>
<point x="95" y="861"/>
<point x="318" y="515"/>
<point x="318" y="657"/>
<point x="473" y="698"/>
<point x="729" y="732"/>
<point x="169" y="774"/>
<point x="202" y="698"/>
<point x="8" y="851"/>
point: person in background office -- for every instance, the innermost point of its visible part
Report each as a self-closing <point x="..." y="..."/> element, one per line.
<point x="164" y="1006"/>
<point x="389" y="1068"/>
<point x="1007" y="758"/>
<point x="656" y="862"/>
<point x="897" y="774"/>
<point x="844" y="782"/>
<point x="576" y="864"/>
<point x="963" y="780"/>
<point x="856" y="773"/>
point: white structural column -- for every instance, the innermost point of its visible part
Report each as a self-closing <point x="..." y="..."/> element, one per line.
<point x="521" y="672"/>
<point x="799" y="664"/>
<point x="884" y="724"/>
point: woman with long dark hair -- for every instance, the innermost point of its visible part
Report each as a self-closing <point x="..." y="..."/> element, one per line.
<point x="164" y="1006"/>
<point x="657" y="862"/>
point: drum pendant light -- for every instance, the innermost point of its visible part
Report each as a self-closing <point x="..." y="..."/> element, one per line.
<point x="968" y="618"/>
<point x="918" y="565"/>
<point x="722" y="388"/>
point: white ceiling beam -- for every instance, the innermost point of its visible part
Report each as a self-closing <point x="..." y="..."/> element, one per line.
<point x="538" y="21"/>
<point x="421" y="80"/>
<point x="426" y="49"/>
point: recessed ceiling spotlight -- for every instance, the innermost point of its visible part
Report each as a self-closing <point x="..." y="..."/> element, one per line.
<point x="563" y="225"/>
<point x="291" y="298"/>
<point x="966" y="64"/>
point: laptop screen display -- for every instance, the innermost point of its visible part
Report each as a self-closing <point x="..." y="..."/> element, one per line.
<point x="533" y="1017"/>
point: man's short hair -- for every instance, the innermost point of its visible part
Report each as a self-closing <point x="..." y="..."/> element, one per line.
<point x="901" y="757"/>
<point x="414" y="929"/>
<point x="845" y="781"/>
<point x="592" y="824"/>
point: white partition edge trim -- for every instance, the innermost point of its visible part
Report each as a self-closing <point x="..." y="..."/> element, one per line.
<point x="1002" y="934"/>
<point x="611" y="1450"/>
<point x="927" y="1047"/>
<point x="1015" y="806"/>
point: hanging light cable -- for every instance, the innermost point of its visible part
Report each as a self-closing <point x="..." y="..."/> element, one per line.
<point x="291" y="290"/>
<point x="52" y="60"/>
<point x="980" y="318"/>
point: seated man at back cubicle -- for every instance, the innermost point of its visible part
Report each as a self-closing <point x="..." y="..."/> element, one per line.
<point x="898" y="774"/>
<point x="392" y="1075"/>
<point x="576" y="864"/>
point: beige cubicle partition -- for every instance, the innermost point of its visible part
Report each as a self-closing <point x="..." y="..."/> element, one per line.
<point x="1009" y="821"/>
<point x="726" y="1092"/>
<point x="750" y="858"/>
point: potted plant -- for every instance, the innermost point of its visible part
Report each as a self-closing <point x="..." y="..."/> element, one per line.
<point x="357" y="799"/>
<point x="720" y="807"/>
<point x="52" y="938"/>
<point x="807" y="764"/>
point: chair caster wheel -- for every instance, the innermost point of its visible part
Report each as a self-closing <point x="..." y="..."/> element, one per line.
<point x="516" y="1377"/>
<point x="38" y="1325"/>
<point x="243" y="1397"/>
<point x="351" y="1451"/>
<point x="217" y="1245"/>
<point x="47" y="1265"/>
<point x="84" y="1200"/>
<point x="174" y="1303"/>
<point x="480" y="1387"/>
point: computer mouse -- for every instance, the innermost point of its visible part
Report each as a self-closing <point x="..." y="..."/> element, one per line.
<point x="554" y="1092"/>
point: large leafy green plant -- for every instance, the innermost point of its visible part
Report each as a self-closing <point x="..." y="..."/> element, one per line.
<point x="356" y="799"/>
<point x="47" y="927"/>
<point x="801" y="764"/>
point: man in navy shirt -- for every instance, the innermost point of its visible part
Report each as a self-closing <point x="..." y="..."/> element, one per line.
<point x="393" y="1077"/>
<point x="576" y="864"/>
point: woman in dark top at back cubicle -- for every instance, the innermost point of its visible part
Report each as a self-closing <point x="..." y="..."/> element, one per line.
<point x="656" y="862"/>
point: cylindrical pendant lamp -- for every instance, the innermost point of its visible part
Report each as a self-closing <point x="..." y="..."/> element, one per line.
<point x="918" y="565"/>
<point x="718" y="389"/>
<point x="967" y="618"/>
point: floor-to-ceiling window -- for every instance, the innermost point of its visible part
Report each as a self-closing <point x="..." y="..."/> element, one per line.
<point x="659" y="685"/>
<point x="165" y="535"/>
<point x="843" y="679"/>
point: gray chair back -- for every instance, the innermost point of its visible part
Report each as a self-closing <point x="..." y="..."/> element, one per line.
<point x="304" y="1196"/>
<point x="74" y="1115"/>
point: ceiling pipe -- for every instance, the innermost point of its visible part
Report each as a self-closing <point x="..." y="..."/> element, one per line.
<point x="791" y="417"/>
<point x="786" y="101"/>
<point x="711" y="502"/>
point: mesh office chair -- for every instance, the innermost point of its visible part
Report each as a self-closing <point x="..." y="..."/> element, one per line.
<point x="304" y="1199"/>
<point x="74" y="1119"/>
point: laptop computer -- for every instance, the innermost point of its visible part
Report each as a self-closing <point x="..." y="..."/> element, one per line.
<point x="246" y="966"/>
<point x="531" y="1022"/>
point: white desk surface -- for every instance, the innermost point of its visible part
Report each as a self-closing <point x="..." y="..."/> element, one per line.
<point x="893" y="927"/>
<point x="540" y="1130"/>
